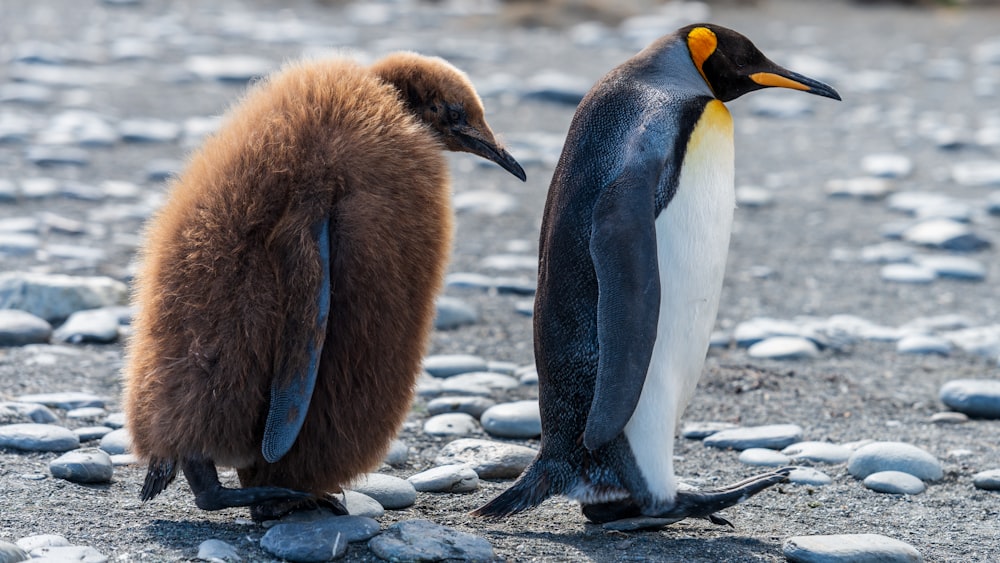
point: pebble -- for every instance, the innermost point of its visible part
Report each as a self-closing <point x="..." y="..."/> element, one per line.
<point x="981" y="341"/>
<point x="15" y="244"/>
<point x="217" y="551"/>
<point x="780" y="105"/>
<point x="423" y="540"/>
<point x="32" y="411"/>
<point x="97" y="326"/>
<point x="89" y="465"/>
<point x="503" y="285"/>
<point x="360" y="504"/>
<point x="484" y="202"/>
<point x="863" y="188"/>
<point x="764" y="456"/>
<point x="978" y="398"/>
<point x="894" y="482"/>
<point x="56" y="155"/>
<point x="949" y="418"/>
<point x="88" y="433"/>
<point x="115" y="420"/>
<point x="701" y="430"/>
<point x="11" y="553"/>
<point x="820" y="452"/>
<point x="754" y="330"/>
<point x="397" y="454"/>
<point x="63" y="554"/>
<point x="476" y="383"/>
<point x="983" y="173"/>
<point x="228" y="68"/>
<point x="907" y="273"/>
<point x="490" y="460"/>
<point x="447" y="365"/>
<point x="988" y="480"/>
<point x="86" y="413"/>
<point x="507" y="262"/>
<point x="31" y="543"/>
<point x="528" y="375"/>
<point x="923" y="344"/>
<point x="946" y="234"/>
<point x="162" y="169"/>
<point x="453" y="478"/>
<point x="20" y="327"/>
<point x="389" y="491"/>
<point x="149" y="131"/>
<point x="117" y="441"/>
<point x="453" y="313"/>
<point x="471" y="405"/>
<point x="784" y="348"/>
<point x="451" y="424"/>
<point x="894" y="456"/>
<point x="120" y="460"/>
<point x="887" y="165"/>
<point x="809" y="476"/>
<point x="849" y="548"/>
<point x="320" y="540"/>
<point x="753" y="196"/>
<point x="38" y="438"/>
<point x="518" y="419"/>
<point x="957" y="267"/>
<point x="57" y="296"/>
<point x="773" y="436"/>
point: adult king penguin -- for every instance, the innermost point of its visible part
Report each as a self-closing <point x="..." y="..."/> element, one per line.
<point x="288" y="284"/>
<point x="632" y="254"/>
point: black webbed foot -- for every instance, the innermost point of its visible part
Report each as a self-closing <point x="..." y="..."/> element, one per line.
<point x="600" y="513"/>
<point x="273" y="510"/>
<point x="209" y="494"/>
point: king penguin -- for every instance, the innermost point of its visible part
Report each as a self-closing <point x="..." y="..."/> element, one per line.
<point x="632" y="253"/>
<point x="287" y="286"/>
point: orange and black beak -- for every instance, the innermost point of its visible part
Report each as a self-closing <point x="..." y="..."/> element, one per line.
<point x="778" y="77"/>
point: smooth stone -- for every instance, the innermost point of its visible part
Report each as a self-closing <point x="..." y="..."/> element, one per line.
<point x="115" y="420"/>
<point x="502" y="285"/>
<point x="98" y="326"/>
<point x="526" y="307"/>
<point x="64" y="554"/>
<point x="764" y="456"/>
<point x="702" y="430"/>
<point x="484" y="202"/>
<point x="821" y="452"/>
<point x="988" y="480"/>
<point x="471" y="405"/>
<point x="31" y="94"/>
<point x="983" y="173"/>
<point x="217" y="551"/>
<point x="89" y="465"/>
<point x="907" y="273"/>
<point x="784" y="348"/>
<point x="454" y="478"/>
<point x="120" y="460"/>
<point x="479" y="379"/>
<point x="527" y="376"/>
<point x="447" y="365"/>
<point x="398" y="453"/>
<point x="957" y="267"/>
<point x="982" y="341"/>
<point x="935" y="323"/>
<point x="923" y="344"/>
<point x="423" y="540"/>
<point x="748" y="333"/>
<point x="84" y="413"/>
<point x="894" y="482"/>
<point x="949" y="417"/>
<point x="518" y="419"/>
<point x="780" y="105"/>
<point x="954" y="210"/>
<point x="84" y="128"/>
<point x="34" y="412"/>
<point x="508" y="262"/>
<point x="30" y="543"/>
<point x="117" y="442"/>
<point x="849" y="548"/>
<point x="10" y="553"/>
<point x="490" y="460"/>
<point x="149" y="131"/>
<point x="56" y="296"/>
<point x="389" y="491"/>
<point x="946" y="234"/>
<point x="978" y="398"/>
<point x="773" y="436"/>
<point x="993" y="203"/>
<point x="56" y="155"/>
<point x="88" y="433"/>
<point x="809" y="476"/>
<point x="451" y="424"/>
<point x="753" y="196"/>
<point x="453" y="313"/>
<point x="863" y="188"/>
<point x="320" y="540"/>
<point x="162" y="169"/>
<point x="894" y="456"/>
<point x="360" y="504"/>
<point x="38" y="437"/>
<point x="21" y="327"/>
<point x="16" y="244"/>
<point x="228" y="68"/>
<point x="887" y="165"/>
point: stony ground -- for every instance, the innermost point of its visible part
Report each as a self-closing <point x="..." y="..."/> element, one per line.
<point x="909" y="77"/>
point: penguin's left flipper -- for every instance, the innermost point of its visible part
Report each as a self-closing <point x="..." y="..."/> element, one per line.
<point x="623" y="249"/>
<point x="291" y="393"/>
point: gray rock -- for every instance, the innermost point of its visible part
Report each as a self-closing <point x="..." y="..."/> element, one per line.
<point x="321" y="540"/>
<point x="89" y="465"/>
<point x="56" y="155"/>
<point x="38" y="438"/>
<point x="527" y="375"/>
<point x="55" y="297"/>
<point x="809" y="477"/>
<point x="955" y="267"/>
<point x="115" y="420"/>
<point x="16" y="244"/>
<point x="849" y="548"/>
<point x="423" y="540"/>
<point x="117" y="441"/>
<point x="453" y="313"/>
<point x="478" y="383"/>
<point x="773" y="436"/>
<point x="821" y="452"/>
<point x="88" y="433"/>
<point x="21" y="327"/>
<point x="981" y="341"/>
<point x="10" y="553"/>
<point x="784" y="348"/>
<point x="86" y="413"/>
<point x="490" y="460"/>
<point x="120" y="460"/>
<point x="757" y="329"/>
<point x="454" y="478"/>
<point x="217" y="551"/>
<point x="391" y="492"/>
<point x="149" y="131"/>
<point x="518" y="419"/>
<point x="360" y="504"/>
<point x="92" y="326"/>
<point x="84" y="128"/>
<point x="764" y="456"/>
<point x="30" y="543"/>
<point x="31" y="411"/>
<point x="447" y="365"/>
<point x="753" y="196"/>
<point x="484" y="202"/>
<point x="907" y="273"/>
<point x="63" y="554"/>
<point x="978" y="398"/>
<point x="887" y="165"/>
<point x="977" y="173"/>
<point x="502" y="285"/>
<point x="894" y="456"/>
<point x="988" y="480"/>
<point x="946" y="234"/>
<point x="923" y="344"/>
<point x="949" y="417"/>
<point x="508" y="262"/>
<point x="702" y="430"/>
<point x="451" y="424"/>
<point x="894" y="482"/>
<point x="162" y="169"/>
<point x="863" y="188"/>
<point x="993" y="203"/>
<point x="780" y="105"/>
<point x="471" y="405"/>
<point x="228" y="68"/>
<point x="398" y="453"/>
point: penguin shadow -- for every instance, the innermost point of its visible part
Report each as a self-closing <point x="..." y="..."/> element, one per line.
<point x="182" y="534"/>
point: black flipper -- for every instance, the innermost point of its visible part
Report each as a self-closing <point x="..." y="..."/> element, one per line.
<point x="529" y="491"/>
<point x="209" y="494"/>
<point x="159" y="474"/>
<point x="290" y="396"/>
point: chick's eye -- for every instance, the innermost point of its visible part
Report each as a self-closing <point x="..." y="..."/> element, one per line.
<point x="453" y="115"/>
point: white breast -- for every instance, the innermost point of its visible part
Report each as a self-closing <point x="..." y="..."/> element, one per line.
<point x="692" y="237"/>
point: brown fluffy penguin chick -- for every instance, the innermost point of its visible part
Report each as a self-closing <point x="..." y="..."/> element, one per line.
<point x="287" y="287"/>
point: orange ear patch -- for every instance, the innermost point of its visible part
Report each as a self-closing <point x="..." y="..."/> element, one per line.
<point x="702" y="43"/>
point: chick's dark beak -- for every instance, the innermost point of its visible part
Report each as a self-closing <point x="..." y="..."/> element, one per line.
<point x="783" y="78"/>
<point x="475" y="142"/>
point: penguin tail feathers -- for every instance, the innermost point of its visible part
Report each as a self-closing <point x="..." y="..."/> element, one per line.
<point x="534" y="486"/>
<point x="160" y="473"/>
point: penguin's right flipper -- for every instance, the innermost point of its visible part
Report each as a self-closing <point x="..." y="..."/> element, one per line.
<point x="623" y="248"/>
<point x="209" y="494"/>
<point x="292" y="393"/>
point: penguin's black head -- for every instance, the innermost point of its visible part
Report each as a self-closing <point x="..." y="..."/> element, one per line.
<point x="733" y="66"/>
